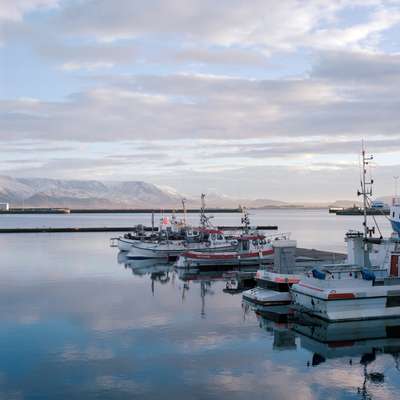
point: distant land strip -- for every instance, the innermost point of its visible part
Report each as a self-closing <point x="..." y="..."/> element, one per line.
<point x="114" y="210"/>
<point x="111" y="229"/>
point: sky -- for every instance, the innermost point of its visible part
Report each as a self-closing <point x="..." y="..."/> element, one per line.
<point x="252" y="99"/>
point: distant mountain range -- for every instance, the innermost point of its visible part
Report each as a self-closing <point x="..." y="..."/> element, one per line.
<point x="43" y="192"/>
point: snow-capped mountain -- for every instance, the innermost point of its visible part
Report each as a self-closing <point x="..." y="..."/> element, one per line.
<point x="42" y="192"/>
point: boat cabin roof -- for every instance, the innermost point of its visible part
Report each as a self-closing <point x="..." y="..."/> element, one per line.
<point x="209" y="230"/>
<point x="252" y="237"/>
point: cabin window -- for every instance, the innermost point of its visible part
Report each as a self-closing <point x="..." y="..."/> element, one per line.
<point x="393" y="331"/>
<point x="393" y="214"/>
<point x="245" y="245"/>
<point x="393" y="301"/>
<point x="220" y="237"/>
<point x="278" y="287"/>
<point x="213" y="236"/>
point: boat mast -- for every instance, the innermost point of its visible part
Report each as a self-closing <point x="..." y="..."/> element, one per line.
<point x="203" y="217"/>
<point x="184" y="211"/>
<point x="366" y="190"/>
<point x="245" y="220"/>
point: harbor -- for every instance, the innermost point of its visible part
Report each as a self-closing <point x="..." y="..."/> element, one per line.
<point x="362" y="285"/>
<point x="102" y="313"/>
<point x="200" y="200"/>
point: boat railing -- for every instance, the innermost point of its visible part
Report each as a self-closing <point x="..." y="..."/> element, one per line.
<point x="353" y="233"/>
<point x="332" y="283"/>
<point x="396" y="201"/>
<point x="278" y="236"/>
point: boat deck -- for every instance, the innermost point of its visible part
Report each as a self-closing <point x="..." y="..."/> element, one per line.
<point x="320" y="255"/>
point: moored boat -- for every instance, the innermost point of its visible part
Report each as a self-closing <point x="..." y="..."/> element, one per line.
<point x="252" y="249"/>
<point x="210" y="240"/>
<point x="361" y="289"/>
<point x="395" y="215"/>
<point x="273" y="289"/>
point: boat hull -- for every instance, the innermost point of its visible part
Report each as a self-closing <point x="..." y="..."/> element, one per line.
<point x="141" y="250"/>
<point x="125" y="244"/>
<point x="395" y="226"/>
<point x="353" y="304"/>
<point x="267" y="297"/>
<point x="224" y="259"/>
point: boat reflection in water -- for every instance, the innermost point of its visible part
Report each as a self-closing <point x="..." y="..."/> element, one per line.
<point x="284" y="336"/>
<point x="203" y="280"/>
<point x="235" y="282"/>
<point x="356" y="343"/>
<point x="159" y="271"/>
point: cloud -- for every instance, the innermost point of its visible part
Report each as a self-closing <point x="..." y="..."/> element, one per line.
<point x="258" y="27"/>
<point x="206" y="106"/>
<point x="369" y="69"/>
<point x="214" y="88"/>
<point x="302" y="148"/>
<point x="88" y="56"/>
<point x="15" y="9"/>
<point x="220" y="55"/>
<point x="273" y="25"/>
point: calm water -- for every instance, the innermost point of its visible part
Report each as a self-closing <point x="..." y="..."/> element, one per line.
<point x="77" y="324"/>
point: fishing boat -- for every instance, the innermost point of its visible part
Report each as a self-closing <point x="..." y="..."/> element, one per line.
<point x="170" y="229"/>
<point x="289" y="266"/>
<point x="395" y="215"/>
<point x="272" y="289"/>
<point x="176" y="237"/>
<point x="210" y="240"/>
<point x="252" y="249"/>
<point x="273" y="286"/>
<point x="368" y="287"/>
<point x="174" y="233"/>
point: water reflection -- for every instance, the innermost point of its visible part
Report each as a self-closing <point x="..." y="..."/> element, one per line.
<point x="75" y="324"/>
<point x="356" y="344"/>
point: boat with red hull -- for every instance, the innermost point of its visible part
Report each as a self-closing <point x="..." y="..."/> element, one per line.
<point x="253" y="249"/>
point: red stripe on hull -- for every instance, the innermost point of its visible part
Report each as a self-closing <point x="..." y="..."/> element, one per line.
<point x="333" y="296"/>
<point x="231" y="256"/>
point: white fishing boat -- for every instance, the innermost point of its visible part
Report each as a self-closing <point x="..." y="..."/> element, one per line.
<point x="175" y="237"/>
<point x="273" y="286"/>
<point x="395" y="215"/>
<point x="272" y="289"/>
<point x="212" y="240"/>
<point x="129" y="240"/>
<point x="289" y="266"/>
<point x="170" y="229"/>
<point x="367" y="287"/>
<point x="251" y="249"/>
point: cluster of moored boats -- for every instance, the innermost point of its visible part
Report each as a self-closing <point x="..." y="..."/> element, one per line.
<point x="204" y="245"/>
<point x="366" y="285"/>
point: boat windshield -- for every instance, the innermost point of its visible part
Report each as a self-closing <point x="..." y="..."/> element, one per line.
<point x="277" y="286"/>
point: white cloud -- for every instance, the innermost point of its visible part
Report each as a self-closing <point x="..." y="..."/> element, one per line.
<point x="318" y="70"/>
<point x="15" y="9"/>
<point x="273" y="25"/>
